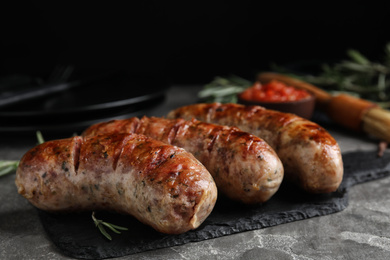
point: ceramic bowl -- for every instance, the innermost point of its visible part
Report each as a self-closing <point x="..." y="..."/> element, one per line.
<point x="303" y="108"/>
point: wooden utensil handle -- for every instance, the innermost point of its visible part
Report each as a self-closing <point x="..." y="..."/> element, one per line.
<point x="348" y="111"/>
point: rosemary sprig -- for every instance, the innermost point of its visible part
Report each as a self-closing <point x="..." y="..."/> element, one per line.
<point x="224" y="90"/>
<point x="357" y="76"/>
<point x="100" y="225"/>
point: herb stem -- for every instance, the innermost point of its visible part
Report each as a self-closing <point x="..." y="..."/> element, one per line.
<point x="40" y="137"/>
<point x="367" y="79"/>
<point x="224" y="90"/>
<point x="100" y="224"/>
<point x="8" y="166"/>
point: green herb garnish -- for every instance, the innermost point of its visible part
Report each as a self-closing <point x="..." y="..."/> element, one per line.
<point x="40" y="137"/>
<point x="8" y="166"/>
<point x="101" y="224"/>
<point x="357" y="76"/>
<point x="224" y="90"/>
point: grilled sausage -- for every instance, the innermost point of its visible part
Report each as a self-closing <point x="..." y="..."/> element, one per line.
<point x="161" y="185"/>
<point x="244" y="167"/>
<point x="310" y="155"/>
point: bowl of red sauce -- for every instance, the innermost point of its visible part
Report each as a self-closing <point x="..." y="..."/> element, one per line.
<point x="277" y="95"/>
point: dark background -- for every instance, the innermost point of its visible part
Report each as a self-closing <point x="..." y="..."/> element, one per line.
<point x="188" y="42"/>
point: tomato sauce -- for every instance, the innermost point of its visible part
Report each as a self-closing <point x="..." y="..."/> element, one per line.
<point x="273" y="91"/>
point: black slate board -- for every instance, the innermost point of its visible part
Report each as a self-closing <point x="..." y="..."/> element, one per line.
<point x="76" y="236"/>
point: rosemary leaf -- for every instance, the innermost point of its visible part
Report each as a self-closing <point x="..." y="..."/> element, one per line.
<point x="104" y="232"/>
<point x="100" y="224"/>
<point x="358" y="57"/>
<point x="40" y="137"/>
<point x="118" y="227"/>
<point x="7" y="167"/>
<point x="110" y="227"/>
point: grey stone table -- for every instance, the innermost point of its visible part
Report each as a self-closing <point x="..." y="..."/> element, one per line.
<point x="361" y="231"/>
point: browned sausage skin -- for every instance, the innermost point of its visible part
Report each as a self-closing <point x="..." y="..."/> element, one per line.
<point x="161" y="185"/>
<point x="244" y="167"/>
<point x="311" y="156"/>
